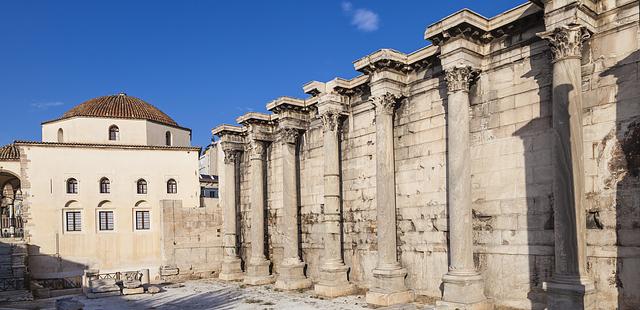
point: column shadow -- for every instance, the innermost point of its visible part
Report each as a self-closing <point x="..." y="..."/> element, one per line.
<point x="622" y="149"/>
<point x="537" y="136"/>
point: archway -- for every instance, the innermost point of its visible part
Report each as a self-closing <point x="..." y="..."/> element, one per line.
<point x="10" y="206"/>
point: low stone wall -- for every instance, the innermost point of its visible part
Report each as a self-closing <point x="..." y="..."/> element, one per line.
<point x="191" y="239"/>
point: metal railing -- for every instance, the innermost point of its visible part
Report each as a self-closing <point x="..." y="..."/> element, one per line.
<point x="60" y="283"/>
<point x="12" y="284"/>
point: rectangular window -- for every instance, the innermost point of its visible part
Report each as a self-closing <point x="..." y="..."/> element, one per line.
<point x="143" y="221"/>
<point x="74" y="221"/>
<point x="105" y="219"/>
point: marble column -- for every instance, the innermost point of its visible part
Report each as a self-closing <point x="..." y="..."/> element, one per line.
<point x="231" y="263"/>
<point x="388" y="288"/>
<point x="291" y="273"/>
<point x="463" y="285"/>
<point x="334" y="279"/>
<point x="570" y="287"/>
<point x="258" y="267"/>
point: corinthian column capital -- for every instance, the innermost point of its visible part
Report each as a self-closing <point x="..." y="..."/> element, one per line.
<point x="288" y="135"/>
<point x="330" y="120"/>
<point x="231" y="156"/>
<point x="386" y="103"/>
<point x="460" y="78"/>
<point x="566" y="41"/>
<point x="256" y="149"/>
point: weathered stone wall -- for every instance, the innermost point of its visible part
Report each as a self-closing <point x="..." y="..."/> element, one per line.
<point x="512" y="175"/>
<point x="191" y="239"/>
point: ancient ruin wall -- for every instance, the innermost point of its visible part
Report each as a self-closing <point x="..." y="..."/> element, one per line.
<point x="512" y="174"/>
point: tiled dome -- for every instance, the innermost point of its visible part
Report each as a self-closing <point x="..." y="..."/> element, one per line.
<point x="120" y="106"/>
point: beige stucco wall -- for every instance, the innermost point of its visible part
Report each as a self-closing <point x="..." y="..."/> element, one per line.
<point x="96" y="130"/>
<point x="118" y="250"/>
<point x="156" y="135"/>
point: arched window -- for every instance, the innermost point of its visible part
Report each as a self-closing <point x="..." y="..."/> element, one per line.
<point x="105" y="186"/>
<point x="168" y="139"/>
<point x="72" y="186"/>
<point x="60" y="135"/>
<point x="172" y="187"/>
<point x="114" y="133"/>
<point x="142" y="187"/>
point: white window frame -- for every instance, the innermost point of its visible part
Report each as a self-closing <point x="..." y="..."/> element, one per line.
<point x="98" y="221"/>
<point x="82" y="222"/>
<point x="135" y="220"/>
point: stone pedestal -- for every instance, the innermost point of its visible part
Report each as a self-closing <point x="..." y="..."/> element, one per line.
<point x="291" y="273"/>
<point x="231" y="263"/>
<point x="258" y="272"/>
<point x="570" y="287"/>
<point x="258" y="267"/>
<point x="389" y="287"/>
<point x="334" y="279"/>
<point x="291" y="276"/>
<point x="463" y="285"/>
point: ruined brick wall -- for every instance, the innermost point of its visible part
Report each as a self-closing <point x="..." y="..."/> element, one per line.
<point x="192" y="239"/>
<point x="512" y="174"/>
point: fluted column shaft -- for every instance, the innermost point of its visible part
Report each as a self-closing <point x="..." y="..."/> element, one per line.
<point x="332" y="237"/>
<point x="257" y="202"/>
<point x="291" y="274"/>
<point x="389" y="287"/>
<point x="229" y="202"/>
<point x="290" y="202"/>
<point x="258" y="268"/>
<point x="463" y="285"/>
<point x="333" y="272"/>
<point x="459" y="179"/>
<point x="570" y="284"/>
<point x="231" y="263"/>
<point x="385" y="185"/>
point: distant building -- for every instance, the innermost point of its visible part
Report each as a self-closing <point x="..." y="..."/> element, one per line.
<point x="90" y="195"/>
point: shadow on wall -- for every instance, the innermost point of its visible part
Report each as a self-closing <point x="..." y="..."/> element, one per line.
<point x="623" y="166"/>
<point x="536" y="137"/>
<point x="46" y="266"/>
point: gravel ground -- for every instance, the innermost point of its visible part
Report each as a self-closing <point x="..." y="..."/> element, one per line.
<point x="209" y="294"/>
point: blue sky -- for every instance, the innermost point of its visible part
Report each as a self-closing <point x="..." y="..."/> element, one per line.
<point x="202" y="62"/>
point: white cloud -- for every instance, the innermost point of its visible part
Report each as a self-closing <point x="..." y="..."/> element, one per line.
<point x="365" y="20"/>
<point x="347" y="7"/>
<point x="46" y="105"/>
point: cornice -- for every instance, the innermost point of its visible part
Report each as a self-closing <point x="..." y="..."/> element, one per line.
<point x="226" y="129"/>
<point x="477" y="28"/>
<point x="255" y="118"/>
<point x="287" y="103"/>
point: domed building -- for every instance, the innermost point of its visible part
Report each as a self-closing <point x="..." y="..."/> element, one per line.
<point x="116" y="119"/>
<point x="91" y="194"/>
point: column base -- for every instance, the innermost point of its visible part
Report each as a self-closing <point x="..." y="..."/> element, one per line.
<point x="389" y="288"/>
<point x="483" y="305"/>
<point x="334" y="282"/>
<point x="292" y="277"/>
<point x="231" y="269"/>
<point x="466" y="288"/>
<point x="570" y="293"/>
<point x="258" y="273"/>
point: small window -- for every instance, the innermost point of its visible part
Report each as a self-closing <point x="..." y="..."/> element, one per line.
<point x="60" y="135"/>
<point x="172" y="187"/>
<point x="105" y="186"/>
<point x="72" y="186"/>
<point x="141" y="187"/>
<point x="74" y="221"/>
<point x="168" y="138"/>
<point x="105" y="220"/>
<point x="114" y="133"/>
<point x="143" y="220"/>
